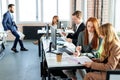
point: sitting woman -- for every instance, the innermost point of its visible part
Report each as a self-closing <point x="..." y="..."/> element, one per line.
<point x="110" y="57"/>
<point x="54" y="23"/>
<point x="88" y="42"/>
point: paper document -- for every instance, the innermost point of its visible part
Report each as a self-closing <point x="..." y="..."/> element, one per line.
<point x="21" y="35"/>
<point x="83" y="59"/>
<point x="78" y="60"/>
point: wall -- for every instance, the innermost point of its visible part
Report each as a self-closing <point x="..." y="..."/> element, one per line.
<point x="10" y="37"/>
<point x="90" y="9"/>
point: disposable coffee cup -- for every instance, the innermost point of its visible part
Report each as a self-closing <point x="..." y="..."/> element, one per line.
<point x="59" y="57"/>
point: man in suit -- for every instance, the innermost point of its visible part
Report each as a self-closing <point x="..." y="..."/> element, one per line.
<point x="79" y="26"/>
<point x="9" y="24"/>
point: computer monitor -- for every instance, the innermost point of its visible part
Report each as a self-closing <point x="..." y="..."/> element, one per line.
<point x="59" y="25"/>
<point x="53" y="37"/>
<point x="47" y="31"/>
<point x="63" y="24"/>
<point x="113" y="75"/>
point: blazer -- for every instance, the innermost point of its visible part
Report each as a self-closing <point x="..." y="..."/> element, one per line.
<point x="113" y="61"/>
<point x="8" y="23"/>
<point x="87" y="48"/>
<point x="74" y="36"/>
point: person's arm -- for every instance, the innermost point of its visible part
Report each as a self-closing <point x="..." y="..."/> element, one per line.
<point x="15" y="25"/>
<point x="75" y="41"/>
<point x="79" y="40"/>
<point x="4" y="22"/>
<point x="70" y="35"/>
<point x="113" y="60"/>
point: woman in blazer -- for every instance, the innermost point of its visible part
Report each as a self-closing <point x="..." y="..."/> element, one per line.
<point x="110" y="57"/>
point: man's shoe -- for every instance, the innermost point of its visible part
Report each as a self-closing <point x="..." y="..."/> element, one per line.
<point x="24" y="49"/>
<point x="14" y="50"/>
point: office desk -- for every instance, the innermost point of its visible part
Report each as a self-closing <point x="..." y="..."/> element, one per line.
<point x="42" y="32"/>
<point x="58" y="31"/>
<point x="52" y="64"/>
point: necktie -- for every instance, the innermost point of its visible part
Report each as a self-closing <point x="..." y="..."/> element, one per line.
<point x="75" y="28"/>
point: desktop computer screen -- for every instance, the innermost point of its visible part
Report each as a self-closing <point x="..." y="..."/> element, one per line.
<point x="47" y="31"/>
<point x="63" y="24"/>
<point x="53" y="37"/>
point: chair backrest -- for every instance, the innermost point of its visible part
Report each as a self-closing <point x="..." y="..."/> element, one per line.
<point x="113" y="75"/>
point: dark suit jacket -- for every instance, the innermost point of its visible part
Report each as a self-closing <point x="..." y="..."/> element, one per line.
<point x="74" y="36"/>
<point x="8" y="23"/>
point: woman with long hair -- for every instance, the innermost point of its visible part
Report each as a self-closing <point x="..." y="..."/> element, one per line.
<point x="110" y="57"/>
<point x="55" y="20"/>
<point x="88" y="42"/>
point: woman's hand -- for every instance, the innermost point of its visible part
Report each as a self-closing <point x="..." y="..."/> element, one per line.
<point x="78" y="48"/>
<point x="76" y="54"/>
<point x="63" y="33"/>
<point x="95" y="59"/>
<point x="88" y="64"/>
<point x="69" y="40"/>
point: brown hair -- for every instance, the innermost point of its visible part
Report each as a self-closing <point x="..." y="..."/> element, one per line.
<point x="95" y="40"/>
<point x="10" y="5"/>
<point x="78" y="14"/>
<point x="57" y="20"/>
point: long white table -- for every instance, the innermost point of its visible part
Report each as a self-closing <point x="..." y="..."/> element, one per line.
<point x="58" y="31"/>
<point x="52" y="64"/>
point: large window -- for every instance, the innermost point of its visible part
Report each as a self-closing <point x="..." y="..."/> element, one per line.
<point x="27" y="10"/>
<point x="37" y="10"/>
<point x="4" y="6"/>
<point x="0" y="11"/>
<point x="117" y="16"/>
<point x="64" y="9"/>
<point x="49" y="9"/>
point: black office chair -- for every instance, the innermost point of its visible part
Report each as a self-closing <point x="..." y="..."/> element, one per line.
<point x="113" y="75"/>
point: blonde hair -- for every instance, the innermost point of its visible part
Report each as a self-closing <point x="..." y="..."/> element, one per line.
<point x="110" y="37"/>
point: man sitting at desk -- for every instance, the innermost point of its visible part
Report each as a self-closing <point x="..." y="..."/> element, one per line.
<point x="77" y="19"/>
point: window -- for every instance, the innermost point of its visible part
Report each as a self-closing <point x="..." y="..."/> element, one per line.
<point x="11" y="1"/>
<point x="117" y="16"/>
<point x="27" y="10"/>
<point x="64" y="9"/>
<point x="0" y="11"/>
<point x="39" y="10"/>
<point x="4" y="6"/>
<point x="49" y="9"/>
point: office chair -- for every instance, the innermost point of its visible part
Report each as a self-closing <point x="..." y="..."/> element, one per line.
<point x="113" y="75"/>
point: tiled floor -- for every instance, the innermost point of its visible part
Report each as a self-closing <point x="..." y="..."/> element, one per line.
<point x="22" y="65"/>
